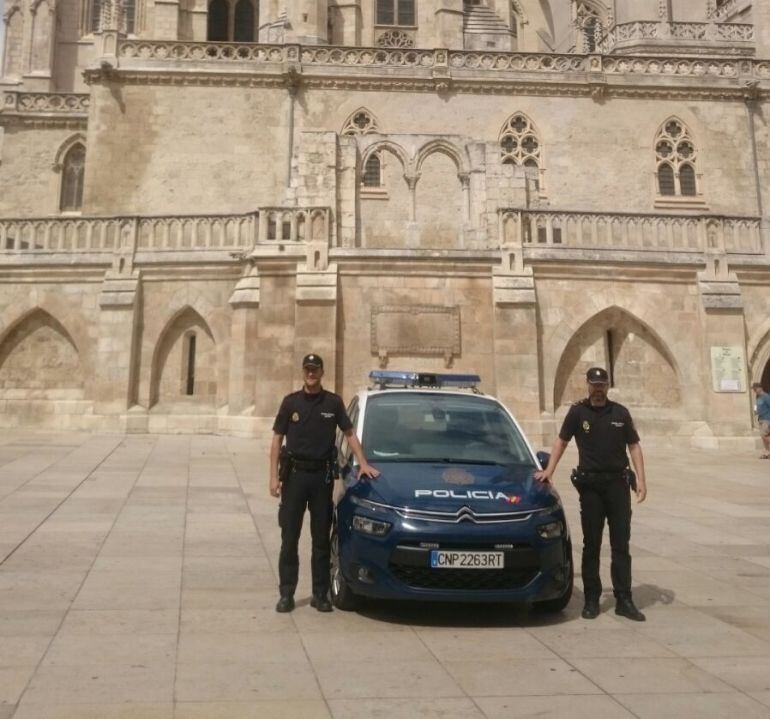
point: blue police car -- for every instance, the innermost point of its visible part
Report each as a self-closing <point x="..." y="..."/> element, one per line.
<point x="456" y="514"/>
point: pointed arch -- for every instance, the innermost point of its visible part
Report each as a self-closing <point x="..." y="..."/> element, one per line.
<point x="758" y="352"/>
<point x="445" y="148"/>
<point x="378" y="145"/>
<point x="39" y="357"/>
<point x="360" y="122"/>
<point x="12" y="60"/>
<point x="633" y="353"/>
<point x="64" y="148"/>
<point x="184" y="361"/>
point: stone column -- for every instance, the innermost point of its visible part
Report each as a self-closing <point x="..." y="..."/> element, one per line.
<point x="243" y="367"/>
<point x="727" y="400"/>
<point x="315" y="324"/>
<point x="347" y="21"/>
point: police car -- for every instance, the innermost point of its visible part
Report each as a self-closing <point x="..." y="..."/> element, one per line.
<point x="456" y="514"/>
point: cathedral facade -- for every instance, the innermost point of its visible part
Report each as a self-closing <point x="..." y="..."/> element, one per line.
<point x="196" y="193"/>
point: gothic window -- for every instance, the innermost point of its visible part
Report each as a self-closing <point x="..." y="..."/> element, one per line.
<point x="126" y="23"/>
<point x="361" y="122"/>
<point x="589" y="25"/>
<point x="676" y="160"/>
<point x="72" y="171"/>
<point x="233" y="20"/>
<point x="396" y="12"/>
<point x="520" y="145"/>
<point x="372" y="171"/>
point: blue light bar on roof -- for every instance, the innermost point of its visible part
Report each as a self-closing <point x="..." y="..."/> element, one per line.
<point x="393" y="378"/>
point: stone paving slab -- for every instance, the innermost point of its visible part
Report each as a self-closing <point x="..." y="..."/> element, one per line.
<point x="138" y="581"/>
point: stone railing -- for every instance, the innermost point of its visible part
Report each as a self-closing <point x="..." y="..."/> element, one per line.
<point x="275" y="58"/>
<point x="45" y="103"/>
<point x="699" y="35"/>
<point x="637" y="232"/>
<point x="164" y="233"/>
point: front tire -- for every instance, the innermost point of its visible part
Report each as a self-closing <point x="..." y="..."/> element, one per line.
<point x="343" y="597"/>
<point x="551" y="606"/>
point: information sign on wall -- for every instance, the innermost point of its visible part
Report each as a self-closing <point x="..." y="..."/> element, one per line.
<point x="728" y="369"/>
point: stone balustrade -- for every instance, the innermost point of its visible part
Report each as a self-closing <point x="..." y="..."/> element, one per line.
<point x="45" y="103"/>
<point x="636" y="232"/>
<point x="132" y="53"/>
<point x="704" y="35"/>
<point x="80" y="235"/>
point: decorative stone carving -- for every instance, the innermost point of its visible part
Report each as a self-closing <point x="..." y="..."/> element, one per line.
<point x="417" y="330"/>
<point x="395" y="38"/>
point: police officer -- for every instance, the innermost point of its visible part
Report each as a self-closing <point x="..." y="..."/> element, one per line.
<point x="308" y="420"/>
<point x="602" y="430"/>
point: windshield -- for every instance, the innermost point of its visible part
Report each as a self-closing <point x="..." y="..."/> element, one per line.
<point x="424" y="427"/>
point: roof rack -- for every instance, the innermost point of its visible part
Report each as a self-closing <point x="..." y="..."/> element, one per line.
<point x="388" y="379"/>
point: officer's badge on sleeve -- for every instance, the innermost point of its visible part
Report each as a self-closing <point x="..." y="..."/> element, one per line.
<point x="295" y="417"/>
<point x="586" y="426"/>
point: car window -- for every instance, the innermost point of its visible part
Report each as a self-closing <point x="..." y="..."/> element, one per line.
<point x="421" y="427"/>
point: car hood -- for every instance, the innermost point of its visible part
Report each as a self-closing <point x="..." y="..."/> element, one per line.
<point x="446" y="487"/>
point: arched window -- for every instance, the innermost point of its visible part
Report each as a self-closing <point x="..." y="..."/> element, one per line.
<point x="372" y="176"/>
<point x="396" y="12"/>
<point x="666" y="184"/>
<point x="219" y="20"/>
<point x="72" y="171"/>
<point x="361" y="122"/>
<point x="590" y="28"/>
<point x="243" y="30"/>
<point x="233" y="20"/>
<point x="520" y="145"/>
<point x="188" y="364"/>
<point x="676" y="160"/>
<point x="127" y="23"/>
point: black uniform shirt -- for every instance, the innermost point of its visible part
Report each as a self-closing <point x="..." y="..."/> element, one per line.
<point x="310" y="423"/>
<point x="601" y="434"/>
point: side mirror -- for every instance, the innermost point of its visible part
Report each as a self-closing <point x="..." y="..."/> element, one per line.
<point x="543" y="458"/>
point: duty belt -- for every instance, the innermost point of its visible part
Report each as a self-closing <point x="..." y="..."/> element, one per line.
<point x="309" y="465"/>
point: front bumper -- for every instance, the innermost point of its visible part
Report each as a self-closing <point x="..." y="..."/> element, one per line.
<point x="397" y="566"/>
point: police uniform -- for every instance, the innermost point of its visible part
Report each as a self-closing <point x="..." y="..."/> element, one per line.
<point x="309" y="423"/>
<point x="601" y="478"/>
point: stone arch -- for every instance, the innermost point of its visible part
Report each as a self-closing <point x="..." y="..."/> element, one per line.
<point x="644" y="370"/>
<point x="440" y="200"/>
<point x="39" y="359"/>
<point x="185" y="334"/>
<point x="446" y="148"/>
<point x="77" y="138"/>
<point x="759" y="355"/>
<point x="385" y="210"/>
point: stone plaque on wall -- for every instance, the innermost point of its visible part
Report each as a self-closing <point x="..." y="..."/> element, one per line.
<point x="419" y="330"/>
<point x="728" y="369"/>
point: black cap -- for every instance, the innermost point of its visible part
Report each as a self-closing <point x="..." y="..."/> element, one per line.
<point x="312" y="360"/>
<point x="597" y="375"/>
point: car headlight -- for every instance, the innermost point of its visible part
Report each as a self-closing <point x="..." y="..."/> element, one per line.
<point x="551" y="530"/>
<point x="370" y="526"/>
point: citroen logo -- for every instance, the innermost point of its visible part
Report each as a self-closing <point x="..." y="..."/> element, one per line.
<point x="465" y="513"/>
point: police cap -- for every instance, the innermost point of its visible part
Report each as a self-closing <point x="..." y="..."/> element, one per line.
<point x="597" y="375"/>
<point x="312" y="360"/>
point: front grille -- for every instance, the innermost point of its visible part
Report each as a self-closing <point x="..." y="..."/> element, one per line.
<point x="463" y="579"/>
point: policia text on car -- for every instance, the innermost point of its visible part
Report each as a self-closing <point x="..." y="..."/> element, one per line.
<point x="602" y="430"/>
<point x="308" y="420"/>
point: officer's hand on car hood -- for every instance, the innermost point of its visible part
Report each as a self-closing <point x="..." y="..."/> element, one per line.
<point x="368" y="471"/>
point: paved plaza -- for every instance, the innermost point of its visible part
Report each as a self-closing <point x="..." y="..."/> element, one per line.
<point x="138" y="581"/>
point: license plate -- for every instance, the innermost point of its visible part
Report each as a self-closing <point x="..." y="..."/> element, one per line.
<point x="448" y="559"/>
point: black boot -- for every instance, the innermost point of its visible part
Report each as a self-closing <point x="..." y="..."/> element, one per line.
<point x="625" y="607"/>
<point x="285" y="604"/>
<point x="322" y="604"/>
<point x="590" y="608"/>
